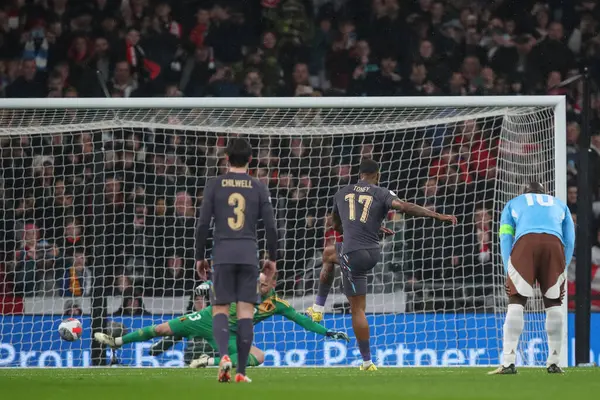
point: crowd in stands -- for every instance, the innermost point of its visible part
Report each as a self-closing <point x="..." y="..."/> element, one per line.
<point x="125" y="201"/>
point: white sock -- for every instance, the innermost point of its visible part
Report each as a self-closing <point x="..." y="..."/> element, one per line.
<point x="367" y="364"/>
<point x="119" y="341"/>
<point x="513" y="326"/>
<point x="554" y="327"/>
<point x="318" y="308"/>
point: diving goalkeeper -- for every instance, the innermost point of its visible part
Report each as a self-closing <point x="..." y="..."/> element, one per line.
<point x="199" y="325"/>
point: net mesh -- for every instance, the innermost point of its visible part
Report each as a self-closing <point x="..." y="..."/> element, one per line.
<point x="99" y="208"/>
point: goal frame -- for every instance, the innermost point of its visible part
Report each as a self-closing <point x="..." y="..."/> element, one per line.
<point x="557" y="103"/>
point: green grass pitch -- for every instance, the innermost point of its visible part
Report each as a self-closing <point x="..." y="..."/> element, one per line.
<point x="290" y="384"/>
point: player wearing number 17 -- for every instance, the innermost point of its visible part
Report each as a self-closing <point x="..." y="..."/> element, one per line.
<point x="236" y="202"/>
<point x="358" y="211"/>
<point x="537" y="239"/>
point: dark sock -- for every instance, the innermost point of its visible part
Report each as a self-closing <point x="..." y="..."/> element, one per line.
<point x="221" y="333"/>
<point x="322" y="293"/>
<point x="365" y="349"/>
<point x="245" y="335"/>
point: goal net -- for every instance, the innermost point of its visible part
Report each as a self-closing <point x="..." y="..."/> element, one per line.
<point x="100" y="198"/>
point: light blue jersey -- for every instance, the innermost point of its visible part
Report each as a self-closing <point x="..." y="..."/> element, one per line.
<point x="536" y="213"/>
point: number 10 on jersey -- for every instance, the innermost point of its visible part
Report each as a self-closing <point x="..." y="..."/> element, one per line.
<point x="542" y="200"/>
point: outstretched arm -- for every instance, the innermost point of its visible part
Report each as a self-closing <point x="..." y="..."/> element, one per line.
<point x="283" y="308"/>
<point x="418" y="211"/>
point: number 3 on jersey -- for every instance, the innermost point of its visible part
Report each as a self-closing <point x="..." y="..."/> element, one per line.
<point x="195" y="316"/>
<point x="542" y="200"/>
<point x="363" y="199"/>
<point x="238" y="202"/>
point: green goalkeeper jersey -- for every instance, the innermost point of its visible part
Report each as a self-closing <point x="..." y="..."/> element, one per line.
<point x="270" y="305"/>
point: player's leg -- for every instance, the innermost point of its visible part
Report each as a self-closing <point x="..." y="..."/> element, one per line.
<point x="141" y="335"/>
<point x="511" y="332"/>
<point x="554" y="329"/>
<point x="330" y="258"/>
<point x="519" y="287"/>
<point x="197" y="324"/>
<point x="247" y="295"/>
<point x="551" y="277"/>
<point x="355" y="267"/>
<point x="224" y="294"/>
<point x="360" y="326"/>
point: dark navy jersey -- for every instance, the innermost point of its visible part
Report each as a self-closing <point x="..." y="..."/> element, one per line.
<point x="362" y="208"/>
<point x="235" y="202"/>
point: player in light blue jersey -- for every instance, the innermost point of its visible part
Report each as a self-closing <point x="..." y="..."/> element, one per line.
<point x="537" y="239"/>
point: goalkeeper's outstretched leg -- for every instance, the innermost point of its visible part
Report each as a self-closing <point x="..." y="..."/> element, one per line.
<point x="141" y="335"/>
<point x="326" y="276"/>
<point x="197" y="324"/>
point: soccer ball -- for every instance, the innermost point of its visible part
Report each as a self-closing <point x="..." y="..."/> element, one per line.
<point x="70" y="329"/>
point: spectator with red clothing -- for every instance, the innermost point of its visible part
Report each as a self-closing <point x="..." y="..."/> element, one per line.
<point x="200" y="31"/>
<point x="136" y="57"/>
<point x="80" y="56"/>
<point x="449" y="163"/>
<point x="481" y="160"/>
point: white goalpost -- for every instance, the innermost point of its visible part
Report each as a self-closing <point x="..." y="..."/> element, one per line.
<point x="100" y="198"/>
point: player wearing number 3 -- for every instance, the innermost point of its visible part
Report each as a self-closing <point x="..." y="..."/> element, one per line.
<point x="236" y="202"/>
<point x="537" y="239"/>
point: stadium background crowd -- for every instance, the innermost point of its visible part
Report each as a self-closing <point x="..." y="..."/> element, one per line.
<point x="68" y="208"/>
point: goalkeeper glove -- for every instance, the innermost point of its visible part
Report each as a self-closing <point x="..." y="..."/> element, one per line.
<point x="203" y="288"/>
<point x="338" y="335"/>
